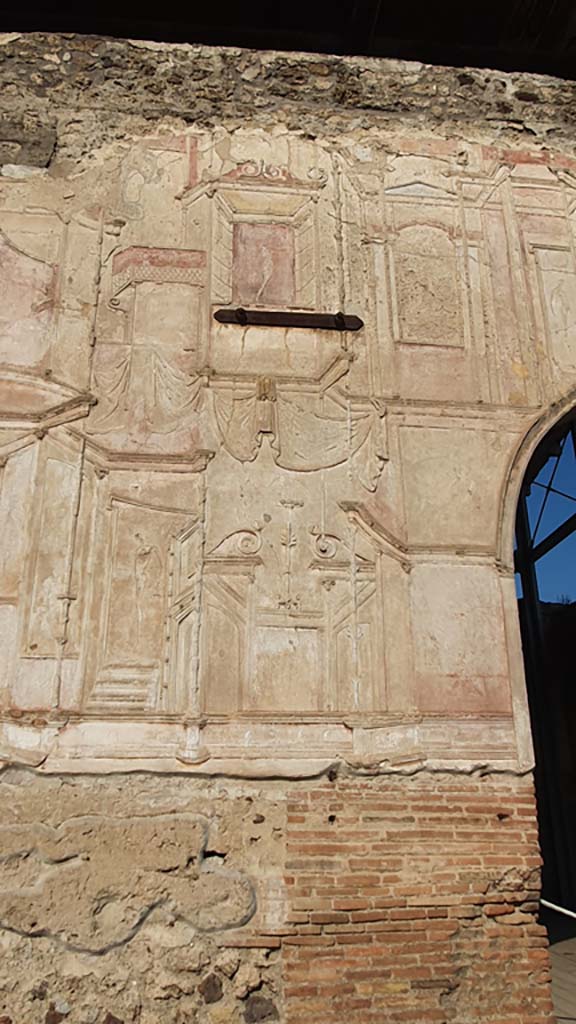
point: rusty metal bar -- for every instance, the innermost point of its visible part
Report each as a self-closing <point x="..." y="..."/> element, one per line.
<point x="282" y="318"/>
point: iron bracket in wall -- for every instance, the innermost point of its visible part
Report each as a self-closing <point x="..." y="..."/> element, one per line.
<point x="279" y="318"/>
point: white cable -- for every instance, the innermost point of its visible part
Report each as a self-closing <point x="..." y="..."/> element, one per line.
<point x="561" y="910"/>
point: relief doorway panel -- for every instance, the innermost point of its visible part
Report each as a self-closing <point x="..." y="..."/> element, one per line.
<point x="144" y="567"/>
<point x="290" y="605"/>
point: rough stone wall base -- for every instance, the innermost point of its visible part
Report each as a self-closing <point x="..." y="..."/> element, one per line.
<point x="164" y="900"/>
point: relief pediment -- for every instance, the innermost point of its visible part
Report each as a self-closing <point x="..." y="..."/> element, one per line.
<point x="31" y="402"/>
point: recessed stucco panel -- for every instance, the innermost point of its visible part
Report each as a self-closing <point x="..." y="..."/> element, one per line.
<point x="288" y="669"/>
<point x="9" y="633"/>
<point x="437" y="375"/>
<point x="556" y="269"/>
<point x="16" y="497"/>
<point x="459" y="640"/>
<point x="51" y="542"/>
<point x="27" y="306"/>
<point x="449" y="475"/>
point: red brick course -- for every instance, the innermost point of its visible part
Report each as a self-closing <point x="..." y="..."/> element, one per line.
<point x="413" y="899"/>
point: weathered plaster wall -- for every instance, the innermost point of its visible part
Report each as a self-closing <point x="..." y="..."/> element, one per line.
<point x="263" y="712"/>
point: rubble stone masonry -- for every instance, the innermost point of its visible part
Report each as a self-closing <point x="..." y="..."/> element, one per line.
<point x="263" y="721"/>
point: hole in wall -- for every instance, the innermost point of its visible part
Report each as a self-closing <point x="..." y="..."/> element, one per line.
<point x="211" y="859"/>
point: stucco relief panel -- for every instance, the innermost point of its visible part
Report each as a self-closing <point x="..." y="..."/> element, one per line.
<point x="460" y="650"/>
<point x="277" y="612"/>
<point x="427" y="281"/>
<point x="130" y="607"/>
<point x="548" y="237"/>
<point x="28" y="307"/>
<point x="293" y="617"/>
<point x="49" y="266"/>
<point x="263" y="537"/>
<point x="149" y="393"/>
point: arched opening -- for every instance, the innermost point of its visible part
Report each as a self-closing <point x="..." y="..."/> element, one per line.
<point x="545" y="566"/>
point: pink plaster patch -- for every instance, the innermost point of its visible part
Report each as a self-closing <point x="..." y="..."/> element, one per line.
<point x="140" y="256"/>
<point x="264" y="264"/>
<point x="27" y="303"/>
<point x="178" y="144"/>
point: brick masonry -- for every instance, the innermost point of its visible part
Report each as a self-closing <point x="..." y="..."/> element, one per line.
<point x="414" y="899"/>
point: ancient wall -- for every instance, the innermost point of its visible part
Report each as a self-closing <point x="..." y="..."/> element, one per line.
<point x="264" y="723"/>
<point x="157" y="898"/>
